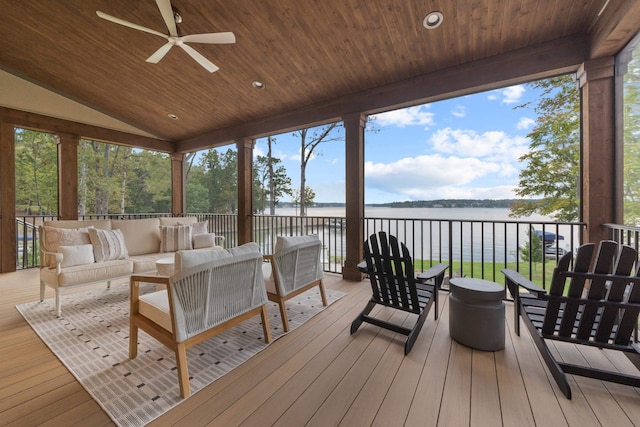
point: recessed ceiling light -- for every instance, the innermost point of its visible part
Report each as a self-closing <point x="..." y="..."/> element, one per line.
<point x="257" y="84"/>
<point x="432" y="20"/>
<point x="172" y="116"/>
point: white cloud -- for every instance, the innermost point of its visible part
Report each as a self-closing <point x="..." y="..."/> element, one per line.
<point x="525" y="123"/>
<point x="421" y="175"/>
<point x="459" y="111"/>
<point x="512" y="94"/>
<point x="493" y="145"/>
<point x="509" y="95"/>
<point x="412" y="116"/>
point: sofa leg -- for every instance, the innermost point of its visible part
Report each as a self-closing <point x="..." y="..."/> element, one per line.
<point x="108" y="284"/>
<point x="58" y="303"/>
<point x="42" y="289"/>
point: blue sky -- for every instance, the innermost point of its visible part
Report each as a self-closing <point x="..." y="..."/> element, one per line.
<point x="463" y="148"/>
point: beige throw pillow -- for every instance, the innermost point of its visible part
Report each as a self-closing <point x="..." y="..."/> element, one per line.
<point x="56" y="237"/>
<point x="175" y="238"/>
<point x="108" y="244"/>
<point x="205" y="240"/>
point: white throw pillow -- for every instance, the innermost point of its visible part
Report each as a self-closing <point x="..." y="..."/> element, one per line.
<point x="108" y="244"/>
<point x="205" y="240"/>
<point x="175" y="238"/>
<point x="77" y="255"/>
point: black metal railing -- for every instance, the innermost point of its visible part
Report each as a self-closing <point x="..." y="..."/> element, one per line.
<point x="471" y="248"/>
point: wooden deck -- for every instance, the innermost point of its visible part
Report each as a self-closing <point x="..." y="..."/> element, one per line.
<point x="320" y="375"/>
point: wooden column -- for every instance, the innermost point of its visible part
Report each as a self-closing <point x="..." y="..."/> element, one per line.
<point x="354" y="125"/>
<point x="178" y="184"/>
<point x="7" y="199"/>
<point x="67" y="175"/>
<point x="596" y="79"/>
<point x="245" y="189"/>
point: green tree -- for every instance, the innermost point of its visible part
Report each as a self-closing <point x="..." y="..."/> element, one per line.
<point x="36" y="172"/>
<point x="310" y="139"/>
<point x="221" y="180"/>
<point x="309" y="197"/>
<point x="552" y="169"/>
<point x="631" y="135"/>
<point x="532" y="251"/>
<point x="273" y="180"/>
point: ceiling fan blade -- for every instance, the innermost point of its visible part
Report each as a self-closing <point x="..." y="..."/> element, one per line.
<point x="167" y="14"/>
<point x="129" y="24"/>
<point x="210" y="66"/>
<point x="211" y="38"/>
<point x="160" y="53"/>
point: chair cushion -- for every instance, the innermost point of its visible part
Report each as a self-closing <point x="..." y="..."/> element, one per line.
<point x="247" y="248"/>
<point x="284" y="242"/>
<point x="175" y="238"/>
<point x="269" y="282"/>
<point x="188" y="259"/>
<point x="155" y="306"/>
<point x="77" y="255"/>
<point x="108" y="244"/>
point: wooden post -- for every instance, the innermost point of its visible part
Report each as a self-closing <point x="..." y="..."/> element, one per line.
<point x="245" y="189"/>
<point x="598" y="192"/>
<point x="354" y="125"/>
<point x="67" y="175"/>
<point x="178" y="184"/>
<point x="7" y="199"/>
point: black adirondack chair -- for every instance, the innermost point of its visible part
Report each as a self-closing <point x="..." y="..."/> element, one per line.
<point x="600" y="309"/>
<point x="390" y="269"/>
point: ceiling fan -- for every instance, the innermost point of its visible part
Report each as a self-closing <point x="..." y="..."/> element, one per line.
<point x="171" y="17"/>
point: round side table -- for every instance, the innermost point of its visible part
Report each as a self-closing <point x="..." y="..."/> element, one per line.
<point x="476" y="313"/>
<point x="165" y="266"/>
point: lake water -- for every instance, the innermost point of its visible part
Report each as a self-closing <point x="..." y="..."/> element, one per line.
<point x="479" y="234"/>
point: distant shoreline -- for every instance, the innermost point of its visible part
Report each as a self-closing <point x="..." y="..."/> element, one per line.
<point x="448" y="203"/>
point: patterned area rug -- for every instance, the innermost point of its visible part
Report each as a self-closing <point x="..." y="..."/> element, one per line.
<point x="92" y="338"/>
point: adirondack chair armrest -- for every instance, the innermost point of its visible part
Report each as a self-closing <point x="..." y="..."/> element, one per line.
<point x="434" y="273"/>
<point x="362" y="266"/>
<point x="518" y="279"/>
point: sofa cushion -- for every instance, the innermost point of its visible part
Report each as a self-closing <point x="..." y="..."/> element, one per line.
<point x="155" y="306"/>
<point x="77" y="255"/>
<point x="175" y="238"/>
<point x="108" y="244"/>
<point x="104" y="224"/>
<point x="87" y="273"/>
<point x="146" y="263"/>
<point x="188" y="259"/>
<point x="141" y="236"/>
<point x="178" y="220"/>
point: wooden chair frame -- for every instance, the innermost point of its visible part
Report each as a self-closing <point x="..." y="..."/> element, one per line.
<point x="600" y="309"/>
<point x="390" y="269"/>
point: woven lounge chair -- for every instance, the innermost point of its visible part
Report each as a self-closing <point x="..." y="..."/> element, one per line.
<point x="390" y="269"/>
<point x="294" y="267"/>
<point x="200" y="302"/>
<point x="600" y="309"/>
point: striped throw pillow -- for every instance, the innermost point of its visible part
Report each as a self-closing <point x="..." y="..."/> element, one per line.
<point x="108" y="244"/>
<point x="175" y="238"/>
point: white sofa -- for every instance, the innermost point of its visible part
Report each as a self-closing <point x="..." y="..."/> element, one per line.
<point x="78" y="253"/>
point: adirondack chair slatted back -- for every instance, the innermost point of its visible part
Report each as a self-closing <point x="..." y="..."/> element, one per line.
<point x="391" y="273"/>
<point x="593" y="308"/>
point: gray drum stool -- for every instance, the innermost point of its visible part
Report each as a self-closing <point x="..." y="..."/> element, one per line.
<point x="476" y="313"/>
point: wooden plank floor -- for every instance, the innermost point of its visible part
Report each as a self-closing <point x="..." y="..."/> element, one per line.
<point x="320" y="375"/>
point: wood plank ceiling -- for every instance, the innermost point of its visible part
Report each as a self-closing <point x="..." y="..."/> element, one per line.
<point x="305" y="51"/>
